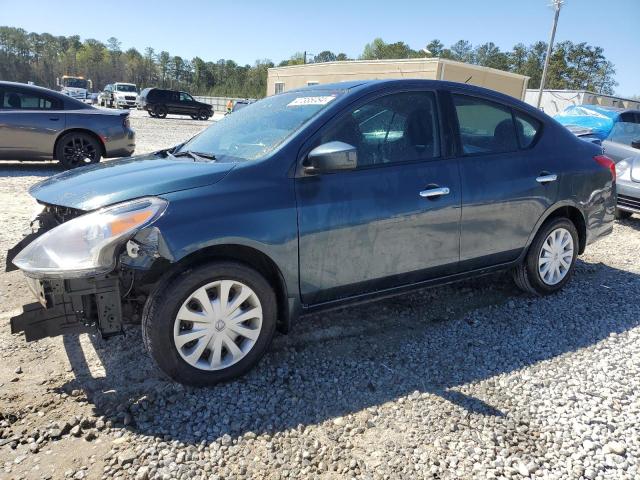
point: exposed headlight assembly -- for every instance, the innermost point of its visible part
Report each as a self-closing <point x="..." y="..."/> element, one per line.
<point x="85" y="246"/>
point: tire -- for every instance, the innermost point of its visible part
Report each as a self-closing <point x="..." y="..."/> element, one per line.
<point x="173" y="300"/>
<point x="622" y="214"/>
<point x="76" y="149"/>
<point x="194" y="117"/>
<point x="203" y="114"/>
<point x="160" y="111"/>
<point x="528" y="276"/>
<point x="151" y="114"/>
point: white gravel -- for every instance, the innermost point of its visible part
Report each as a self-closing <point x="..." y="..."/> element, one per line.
<point x="472" y="381"/>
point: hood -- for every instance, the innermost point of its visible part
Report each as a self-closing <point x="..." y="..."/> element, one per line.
<point x="122" y="94"/>
<point x="95" y="186"/>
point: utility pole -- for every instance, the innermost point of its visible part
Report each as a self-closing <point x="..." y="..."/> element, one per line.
<point x="556" y="4"/>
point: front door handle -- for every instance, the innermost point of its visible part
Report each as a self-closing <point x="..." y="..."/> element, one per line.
<point x="54" y="119"/>
<point x="547" y="178"/>
<point x="435" y="192"/>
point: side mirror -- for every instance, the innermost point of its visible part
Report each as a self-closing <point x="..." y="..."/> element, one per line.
<point x="331" y="157"/>
<point x="636" y="143"/>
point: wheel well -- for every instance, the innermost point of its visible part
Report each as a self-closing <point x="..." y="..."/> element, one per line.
<point x="573" y="214"/>
<point x="79" y="130"/>
<point x="252" y="258"/>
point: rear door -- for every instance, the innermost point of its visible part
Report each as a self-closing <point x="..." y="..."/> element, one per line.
<point x="30" y="122"/>
<point x="507" y="183"/>
<point x="392" y="221"/>
<point x="188" y="104"/>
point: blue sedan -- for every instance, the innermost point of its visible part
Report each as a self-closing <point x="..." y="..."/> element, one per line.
<point x="309" y="200"/>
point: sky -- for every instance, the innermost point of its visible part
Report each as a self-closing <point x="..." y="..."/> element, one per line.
<point x="245" y="31"/>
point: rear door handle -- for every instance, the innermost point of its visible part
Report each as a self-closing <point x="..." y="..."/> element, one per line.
<point x="435" y="192"/>
<point x="547" y="178"/>
<point x="54" y="119"/>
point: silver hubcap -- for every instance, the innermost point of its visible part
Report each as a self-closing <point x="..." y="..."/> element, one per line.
<point x="555" y="256"/>
<point x="218" y="325"/>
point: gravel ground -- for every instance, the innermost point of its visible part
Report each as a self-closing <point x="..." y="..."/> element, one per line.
<point x="473" y="380"/>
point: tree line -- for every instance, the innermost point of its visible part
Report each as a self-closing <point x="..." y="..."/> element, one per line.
<point x="42" y="57"/>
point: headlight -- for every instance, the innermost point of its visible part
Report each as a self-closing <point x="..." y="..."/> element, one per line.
<point x="621" y="167"/>
<point x="85" y="246"/>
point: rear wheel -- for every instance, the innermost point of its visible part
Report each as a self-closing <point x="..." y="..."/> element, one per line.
<point x="160" y="111"/>
<point x="210" y="324"/>
<point x="622" y="214"/>
<point x="76" y="149"/>
<point x="551" y="258"/>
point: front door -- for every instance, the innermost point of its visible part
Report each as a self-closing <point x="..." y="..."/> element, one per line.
<point x="29" y="124"/>
<point x="394" y="219"/>
<point x="507" y="182"/>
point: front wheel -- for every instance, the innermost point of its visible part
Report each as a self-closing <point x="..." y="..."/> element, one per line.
<point x="203" y="114"/>
<point x="210" y="324"/>
<point x="551" y="258"/>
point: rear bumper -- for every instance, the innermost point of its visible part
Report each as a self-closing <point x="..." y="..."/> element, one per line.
<point x="121" y="145"/>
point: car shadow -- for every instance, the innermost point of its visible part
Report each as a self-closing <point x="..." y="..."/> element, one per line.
<point x="633" y="221"/>
<point x="29" y="169"/>
<point x="434" y="341"/>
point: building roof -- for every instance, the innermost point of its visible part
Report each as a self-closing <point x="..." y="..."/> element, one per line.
<point x="395" y="61"/>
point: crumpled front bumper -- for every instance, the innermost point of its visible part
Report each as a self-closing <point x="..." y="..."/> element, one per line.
<point x="71" y="306"/>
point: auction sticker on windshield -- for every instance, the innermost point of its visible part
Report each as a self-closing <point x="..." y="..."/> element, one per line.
<point x="323" y="100"/>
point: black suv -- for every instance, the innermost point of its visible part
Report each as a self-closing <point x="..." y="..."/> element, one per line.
<point x="159" y="102"/>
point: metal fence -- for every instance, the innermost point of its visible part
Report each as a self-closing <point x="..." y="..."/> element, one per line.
<point x="219" y="103"/>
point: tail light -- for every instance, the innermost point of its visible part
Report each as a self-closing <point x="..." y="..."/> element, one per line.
<point x="607" y="163"/>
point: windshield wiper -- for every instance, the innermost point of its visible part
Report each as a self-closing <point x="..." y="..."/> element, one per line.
<point x="197" y="156"/>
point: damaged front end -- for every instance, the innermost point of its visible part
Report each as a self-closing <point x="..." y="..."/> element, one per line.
<point x="84" y="268"/>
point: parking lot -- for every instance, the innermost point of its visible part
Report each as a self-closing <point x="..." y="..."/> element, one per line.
<point x="472" y="380"/>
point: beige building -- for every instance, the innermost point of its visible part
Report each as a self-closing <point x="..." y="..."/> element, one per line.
<point x="281" y="79"/>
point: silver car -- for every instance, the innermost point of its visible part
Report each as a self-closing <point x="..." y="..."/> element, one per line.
<point x="39" y="124"/>
<point x="623" y="146"/>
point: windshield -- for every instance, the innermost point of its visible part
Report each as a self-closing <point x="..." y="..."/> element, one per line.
<point x="126" y="88"/>
<point x="74" y="82"/>
<point x="256" y="130"/>
<point x="625" y="133"/>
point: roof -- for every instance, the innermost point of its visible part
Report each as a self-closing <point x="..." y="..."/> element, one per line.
<point x="396" y="61"/>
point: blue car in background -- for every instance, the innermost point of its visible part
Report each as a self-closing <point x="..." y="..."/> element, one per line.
<point x="309" y="200"/>
<point x="618" y="131"/>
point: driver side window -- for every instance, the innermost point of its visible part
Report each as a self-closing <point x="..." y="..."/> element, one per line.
<point x="185" y="97"/>
<point x="396" y="128"/>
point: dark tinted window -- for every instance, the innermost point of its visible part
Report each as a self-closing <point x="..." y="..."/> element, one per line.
<point x="395" y="128"/>
<point x="629" y="117"/>
<point x="20" y="100"/>
<point x="185" y="97"/>
<point x="527" y="128"/>
<point x="485" y="127"/>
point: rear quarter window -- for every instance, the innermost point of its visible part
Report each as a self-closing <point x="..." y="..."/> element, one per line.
<point x="527" y="129"/>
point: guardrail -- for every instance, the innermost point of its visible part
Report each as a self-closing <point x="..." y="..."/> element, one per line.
<point x="219" y="103"/>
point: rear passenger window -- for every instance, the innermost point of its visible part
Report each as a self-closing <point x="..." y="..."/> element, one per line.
<point x="485" y="127"/>
<point x="16" y="100"/>
<point x="526" y="127"/>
